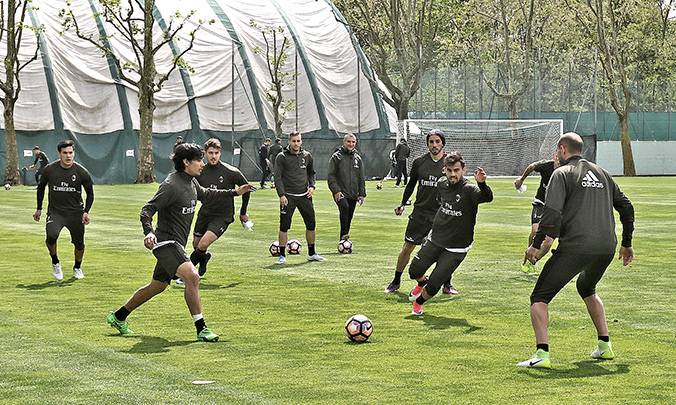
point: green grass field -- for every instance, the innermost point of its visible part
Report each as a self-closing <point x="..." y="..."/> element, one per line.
<point x="282" y="328"/>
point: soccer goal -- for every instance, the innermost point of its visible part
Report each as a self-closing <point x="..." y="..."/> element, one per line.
<point x="501" y="147"/>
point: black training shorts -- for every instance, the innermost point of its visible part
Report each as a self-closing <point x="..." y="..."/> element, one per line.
<point x="170" y="255"/>
<point x="562" y="267"/>
<point x="57" y="221"/>
<point x="307" y="211"/>
<point x="446" y="263"/>
<point x="419" y="226"/>
<point x="536" y="213"/>
<point x="214" y="223"/>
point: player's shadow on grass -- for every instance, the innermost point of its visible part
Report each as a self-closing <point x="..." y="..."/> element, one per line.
<point x="442" y="322"/>
<point x="47" y="284"/>
<point x="288" y="265"/>
<point x="206" y="286"/>
<point x="585" y="369"/>
<point x="154" y="344"/>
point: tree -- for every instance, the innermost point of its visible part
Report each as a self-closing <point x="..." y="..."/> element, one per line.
<point x="11" y="85"/>
<point x="617" y="28"/>
<point x="276" y="55"/>
<point x="403" y="40"/>
<point x="134" y="21"/>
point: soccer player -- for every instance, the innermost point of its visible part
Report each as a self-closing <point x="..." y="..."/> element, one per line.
<point x="263" y="159"/>
<point x="545" y="168"/>
<point x="579" y="211"/>
<point x="401" y="153"/>
<point x="275" y="149"/>
<point x="295" y="183"/>
<point x="214" y="217"/>
<point x="42" y="158"/>
<point x="452" y="229"/>
<point x="346" y="182"/>
<point x="425" y="171"/>
<point x="174" y="202"/>
<point x="66" y="179"/>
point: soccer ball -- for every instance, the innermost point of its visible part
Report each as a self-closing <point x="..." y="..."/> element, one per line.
<point x="274" y="249"/>
<point x="345" y="247"/>
<point x="8" y="186"/>
<point x="379" y="186"/>
<point x="358" y="328"/>
<point x="293" y="247"/>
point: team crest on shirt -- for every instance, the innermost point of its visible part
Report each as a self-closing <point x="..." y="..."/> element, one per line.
<point x="73" y="178"/>
<point x="457" y="198"/>
<point x="356" y="163"/>
<point x="220" y="179"/>
<point x="302" y="163"/>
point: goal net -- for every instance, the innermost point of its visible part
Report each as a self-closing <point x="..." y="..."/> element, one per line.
<point x="501" y="147"/>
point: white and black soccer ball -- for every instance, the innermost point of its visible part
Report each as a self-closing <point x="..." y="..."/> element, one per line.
<point x="358" y="328"/>
<point x="293" y="247"/>
<point x="8" y="186"/>
<point x="345" y="247"/>
<point x="379" y="186"/>
<point x="274" y="249"/>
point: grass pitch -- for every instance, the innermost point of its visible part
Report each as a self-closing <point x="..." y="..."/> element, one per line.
<point x="282" y="327"/>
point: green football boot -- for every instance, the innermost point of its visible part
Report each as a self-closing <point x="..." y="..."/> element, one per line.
<point x="121" y="326"/>
<point x="604" y="351"/>
<point x="528" y="267"/>
<point x="207" y="336"/>
<point x="540" y="360"/>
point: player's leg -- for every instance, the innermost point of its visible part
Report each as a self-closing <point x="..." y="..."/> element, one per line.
<point x="426" y="256"/>
<point x="586" y="287"/>
<point x="77" y="231"/>
<point x="417" y="229"/>
<point x="191" y="278"/>
<point x="352" y="205"/>
<point x="53" y="225"/>
<point x="447" y="263"/>
<point x="307" y="211"/>
<point x="343" y="215"/>
<point x="404" y="172"/>
<point x="285" y="216"/>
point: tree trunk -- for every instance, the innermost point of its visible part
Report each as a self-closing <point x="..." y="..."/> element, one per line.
<point x="146" y="162"/>
<point x="625" y="140"/>
<point x="513" y="112"/>
<point x="12" y="168"/>
<point x="402" y="108"/>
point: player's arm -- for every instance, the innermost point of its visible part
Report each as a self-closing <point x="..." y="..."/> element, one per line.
<point x="207" y="195"/>
<point x="332" y="177"/>
<point x="362" y="181"/>
<point x="519" y="182"/>
<point x="485" y="193"/>
<point x="280" y="161"/>
<point x="412" y="181"/>
<point x="40" y="196"/>
<point x="311" y="176"/>
<point x="162" y="198"/>
<point x="550" y="224"/>
<point x="625" y="208"/>
<point x="240" y="181"/>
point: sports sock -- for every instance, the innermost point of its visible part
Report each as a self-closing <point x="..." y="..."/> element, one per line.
<point x="77" y="264"/>
<point x="55" y="259"/>
<point x="122" y="314"/>
<point x="421" y="283"/>
<point x="604" y="338"/>
<point x="420" y="300"/>
<point x="197" y="256"/>
<point x="543" y="346"/>
<point x="282" y="250"/>
<point x="397" y="278"/>
<point x="311" y="249"/>
<point x="199" y="323"/>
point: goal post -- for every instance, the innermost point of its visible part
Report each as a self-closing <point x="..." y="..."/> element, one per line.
<point x="501" y="147"/>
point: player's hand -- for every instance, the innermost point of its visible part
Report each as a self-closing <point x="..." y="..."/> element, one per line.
<point x="310" y="191"/>
<point x="532" y="255"/>
<point x="480" y="175"/>
<point x="338" y="196"/>
<point x="360" y="200"/>
<point x="627" y="255"/>
<point x="399" y="210"/>
<point x="85" y="218"/>
<point x="243" y="189"/>
<point x="36" y="215"/>
<point x="150" y="240"/>
<point x="518" y="183"/>
<point x="243" y="218"/>
<point x="283" y="201"/>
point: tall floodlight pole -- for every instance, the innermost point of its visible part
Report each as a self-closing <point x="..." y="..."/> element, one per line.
<point x="232" y="103"/>
<point x="358" y="95"/>
<point x="295" y="79"/>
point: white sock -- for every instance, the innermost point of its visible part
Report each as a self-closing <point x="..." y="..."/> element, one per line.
<point x="197" y="317"/>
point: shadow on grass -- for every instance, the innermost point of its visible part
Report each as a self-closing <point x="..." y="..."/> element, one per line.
<point x="585" y="369"/>
<point x="48" y="284"/>
<point x="154" y="344"/>
<point x="403" y="297"/>
<point x="205" y="286"/>
<point x="287" y="265"/>
<point x="442" y="322"/>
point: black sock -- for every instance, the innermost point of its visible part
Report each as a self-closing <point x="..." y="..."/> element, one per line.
<point x="282" y="250"/>
<point x="420" y="300"/>
<point x="422" y="282"/>
<point x="311" y="249"/>
<point x="122" y="313"/>
<point x="200" y="324"/>
<point x="196" y="256"/>
<point x="77" y="264"/>
<point x="397" y="278"/>
<point x="605" y="338"/>
<point x="55" y="259"/>
<point x="543" y="346"/>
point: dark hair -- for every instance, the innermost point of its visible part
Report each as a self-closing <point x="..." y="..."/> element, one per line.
<point x="268" y="140"/>
<point x="190" y="151"/>
<point x="277" y="140"/>
<point x="453" y="158"/>
<point x="36" y="147"/>
<point x="438" y="133"/>
<point x="212" y="143"/>
<point x="64" y="144"/>
<point x="572" y="141"/>
<point x="293" y="133"/>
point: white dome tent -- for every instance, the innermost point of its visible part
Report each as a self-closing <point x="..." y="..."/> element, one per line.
<point x="73" y="91"/>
